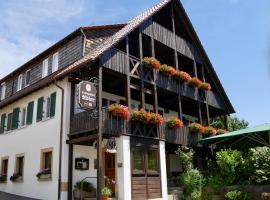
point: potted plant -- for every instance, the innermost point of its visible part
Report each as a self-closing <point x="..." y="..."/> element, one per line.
<point x="15" y="177"/>
<point x="209" y="131"/>
<point x="106" y="192"/>
<point x="151" y="62"/>
<point x="182" y="76"/>
<point x="174" y="123"/>
<point x="195" y="127"/>
<point x="167" y="70"/>
<point x="194" y="82"/>
<point x="221" y="131"/>
<point x="205" y="86"/>
<point x="44" y="174"/>
<point x="3" y="178"/>
<point x="84" y="189"/>
<point x="147" y="117"/>
<point x="119" y="111"/>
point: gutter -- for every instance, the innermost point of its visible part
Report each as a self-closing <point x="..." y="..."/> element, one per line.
<point x="60" y="142"/>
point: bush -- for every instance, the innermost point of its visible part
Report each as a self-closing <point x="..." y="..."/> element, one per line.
<point x="237" y="195"/>
<point x="186" y="157"/>
<point x="84" y="185"/>
<point x="191" y="180"/>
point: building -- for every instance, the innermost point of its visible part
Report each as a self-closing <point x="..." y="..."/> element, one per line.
<point x="43" y="127"/>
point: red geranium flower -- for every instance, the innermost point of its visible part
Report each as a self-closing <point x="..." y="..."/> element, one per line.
<point x="167" y="70"/>
<point x="151" y="62"/>
<point x="119" y="110"/>
<point x="182" y="76"/>
<point x="194" y="82"/>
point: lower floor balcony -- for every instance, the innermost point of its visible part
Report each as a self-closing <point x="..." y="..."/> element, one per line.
<point x="84" y="123"/>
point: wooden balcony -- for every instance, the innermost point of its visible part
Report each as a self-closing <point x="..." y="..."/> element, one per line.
<point x="83" y="123"/>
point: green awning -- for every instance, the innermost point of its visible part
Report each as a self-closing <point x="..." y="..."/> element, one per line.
<point x="244" y="138"/>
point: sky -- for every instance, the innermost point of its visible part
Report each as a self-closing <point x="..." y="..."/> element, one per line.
<point x="234" y="33"/>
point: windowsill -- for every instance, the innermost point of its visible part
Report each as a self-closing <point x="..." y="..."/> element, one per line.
<point x="18" y="180"/>
<point x="47" y="177"/>
<point x="3" y="182"/>
<point x="46" y="119"/>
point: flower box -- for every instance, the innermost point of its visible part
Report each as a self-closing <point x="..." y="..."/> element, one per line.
<point x="196" y="127"/>
<point x="182" y="76"/>
<point x="16" y="178"/>
<point x="80" y="194"/>
<point x="44" y="174"/>
<point x="167" y="70"/>
<point x="147" y="117"/>
<point x="209" y="131"/>
<point x="205" y="86"/>
<point x="174" y="123"/>
<point x="119" y="111"/>
<point x="221" y="131"/>
<point x="151" y="62"/>
<point x="194" y="82"/>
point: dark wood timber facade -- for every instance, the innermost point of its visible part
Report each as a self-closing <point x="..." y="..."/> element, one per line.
<point x="114" y="54"/>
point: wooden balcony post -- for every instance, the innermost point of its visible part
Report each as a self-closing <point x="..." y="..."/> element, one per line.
<point x="226" y="122"/>
<point x="174" y="39"/>
<point x="200" y="112"/>
<point x="155" y="78"/>
<point x="141" y="72"/>
<point x="180" y="111"/>
<point x="99" y="142"/>
<point x="128" y="94"/>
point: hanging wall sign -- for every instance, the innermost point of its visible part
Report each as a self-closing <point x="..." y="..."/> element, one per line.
<point x="87" y="95"/>
<point x="81" y="163"/>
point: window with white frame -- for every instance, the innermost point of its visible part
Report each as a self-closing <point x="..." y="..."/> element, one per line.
<point x="27" y="78"/>
<point x="20" y="79"/>
<point x="23" y="117"/>
<point x="3" y="91"/>
<point x="45" y="67"/>
<point x="55" y="62"/>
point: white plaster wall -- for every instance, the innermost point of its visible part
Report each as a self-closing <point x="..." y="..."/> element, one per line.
<point x="30" y="140"/>
<point x="87" y="152"/>
<point x="163" y="170"/>
<point x="123" y="173"/>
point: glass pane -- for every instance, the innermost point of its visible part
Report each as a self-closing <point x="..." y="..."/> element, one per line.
<point x="138" y="160"/>
<point x="152" y="160"/>
<point x="48" y="160"/>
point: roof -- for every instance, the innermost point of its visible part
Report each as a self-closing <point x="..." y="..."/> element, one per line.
<point x="69" y="37"/>
<point x="258" y="135"/>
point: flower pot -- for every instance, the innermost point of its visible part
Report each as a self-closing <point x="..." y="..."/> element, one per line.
<point x="78" y="194"/>
<point x="105" y="197"/>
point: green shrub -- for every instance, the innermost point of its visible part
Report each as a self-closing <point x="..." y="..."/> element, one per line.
<point x="84" y="185"/>
<point x="237" y="195"/>
<point x="191" y="180"/>
<point x="186" y="157"/>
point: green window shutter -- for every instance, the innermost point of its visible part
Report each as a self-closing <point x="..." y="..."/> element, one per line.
<point x="15" y="118"/>
<point x="3" y="122"/>
<point x="52" y="104"/>
<point x="30" y="110"/>
<point x="40" y="109"/>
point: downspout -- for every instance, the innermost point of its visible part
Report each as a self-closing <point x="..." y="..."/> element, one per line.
<point x="60" y="142"/>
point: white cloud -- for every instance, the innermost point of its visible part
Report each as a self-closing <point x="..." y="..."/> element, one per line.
<point x="22" y="22"/>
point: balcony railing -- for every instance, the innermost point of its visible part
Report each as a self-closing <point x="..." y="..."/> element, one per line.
<point x="84" y="123"/>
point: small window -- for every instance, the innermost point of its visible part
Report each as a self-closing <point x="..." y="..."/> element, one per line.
<point x="27" y="78"/>
<point x="9" y="122"/>
<point x="4" y="169"/>
<point x="20" y="79"/>
<point x="46" y="163"/>
<point x="152" y="164"/>
<point x="23" y="117"/>
<point x="55" y="62"/>
<point x="19" y="167"/>
<point x="45" y="66"/>
<point x="3" y="91"/>
<point x="138" y="161"/>
<point x="47" y="107"/>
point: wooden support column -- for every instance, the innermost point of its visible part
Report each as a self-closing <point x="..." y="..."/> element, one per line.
<point x="226" y="122"/>
<point x="180" y="111"/>
<point x="141" y="71"/>
<point x="174" y="39"/>
<point x="206" y="98"/>
<point x="128" y="94"/>
<point x="200" y="112"/>
<point x="70" y="171"/>
<point x="99" y="142"/>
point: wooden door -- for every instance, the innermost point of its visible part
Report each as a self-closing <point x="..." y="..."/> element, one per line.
<point x="110" y="171"/>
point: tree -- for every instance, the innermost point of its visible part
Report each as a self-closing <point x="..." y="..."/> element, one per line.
<point x="234" y="123"/>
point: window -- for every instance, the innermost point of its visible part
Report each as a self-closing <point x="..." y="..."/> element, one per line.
<point x="152" y="158"/>
<point x="19" y="165"/>
<point x="20" y="79"/>
<point x="27" y="78"/>
<point x="55" y="62"/>
<point x="40" y="109"/>
<point x="138" y="161"/>
<point x="3" y="91"/>
<point x="45" y="66"/>
<point x="9" y="121"/>
<point x="47" y="110"/>
<point x="46" y="162"/>
<point x="15" y="118"/>
<point x="30" y="111"/>
<point x="4" y="168"/>
<point x="23" y="117"/>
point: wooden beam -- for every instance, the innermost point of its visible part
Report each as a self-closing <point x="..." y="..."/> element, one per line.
<point x="180" y="111"/>
<point x="200" y="112"/>
<point x="99" y="143"/>
<point x="141" y="71"/>
<point x="88" y="138"/>
<point x="226" y="121"/>
<point x="128" y="94"/>
<point x="174" y="39"/>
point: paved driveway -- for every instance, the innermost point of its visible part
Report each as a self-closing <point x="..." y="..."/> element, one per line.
<point x="7" y="196"/>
